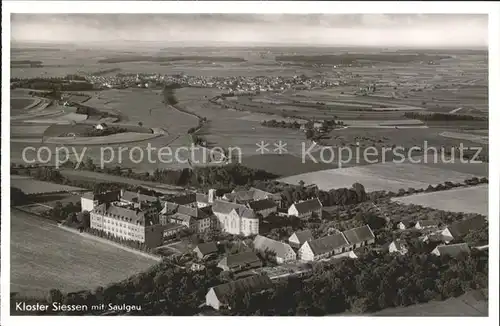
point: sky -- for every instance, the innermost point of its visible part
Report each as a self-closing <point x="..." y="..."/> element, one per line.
<point x="370" y="30"/>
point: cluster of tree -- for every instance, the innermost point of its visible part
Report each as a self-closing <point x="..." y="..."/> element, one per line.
<point x="53" y="83"/>
<point x="126" y="242"/>
<point x="437" y="116"/>
<point x="280" y="124"/>
<point x="18" y="197"/>
<point x="478" y="237"/>
<point x="78" y="220"/>
<point x="352" y="58"/>
<point x="198" y="140"/>
<point x="227" y="176"/>
<point x="373" y="282"/>
<point x="368" y="284"/>
<point x="61" y="212"/>
<point x="104" y="132"/>
<point x="169" y="94"/>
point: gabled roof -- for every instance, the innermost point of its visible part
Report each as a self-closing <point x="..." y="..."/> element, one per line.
<point x="224" y="207"/>
<point x="328" y="244"/>
<point x="103" y="197"/>
<point x="207" y="248"/>
<point x="359" y="234"/>
<point x="453" y="250"/>
<point x="262" y="204"/>
<point x="135" y="197"/>
<point x="182" y="217"/>
<point x="227" y="291"/>
<point x="129" y="215"/>
<point x="253" y="194"/>
<point x="461" y="228"/>
<point x="308" y="206"/>
<point x="242" y="258"/>
<point x="279" y="248"/>
<point x="184" y="199"/>
<point x="202" y="198"/>
<point x="303" y="236"/>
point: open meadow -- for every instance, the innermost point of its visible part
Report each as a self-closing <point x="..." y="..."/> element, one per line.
<point x="388" y="176"/>
<point x="467" y="200"/>
<point x="45" y="257"/>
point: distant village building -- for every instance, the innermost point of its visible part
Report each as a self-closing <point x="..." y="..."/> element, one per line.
<point x="306" y="209"/>
<point x="398" y="246"/>
<point x="426" y="224"/>
<point x="206" y="250"/>
<point x="459" y="229"/>
<point x="282" y="251"/>
<point x="240" y="262"/>
<point x="222" y="295"/>
<point x="101" y="126"/>
<point x="453" y="250"/>
<point x="298" y="238"/>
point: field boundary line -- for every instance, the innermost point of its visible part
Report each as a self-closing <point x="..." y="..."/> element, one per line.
<point x="109" y="242"/>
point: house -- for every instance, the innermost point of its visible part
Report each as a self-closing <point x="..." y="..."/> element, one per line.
<point x="298" y="238"/>
<point x="426" y="224"/>
<point x="128" y="223"/>
<point x="195" y="267"/>
<point x="284" y="253"/>
<point x="205" y="250"/>
<point x="459" y="229"/>
<point x="398" y="246"/>
<point x="221" y="295"/>
<point x="235" y="218"/>
<point x="432" y="237"/>
<point x="101" y="126"/>
<point x="253" y="194"/>
<point x="323" y="247"/>
<point x="359" y="237"/>
<point x="453" y="250"/>
<point x="240" y="262"/>
<point x="198" y="219"/>
<point x="306" y="209"/>
<point x="404" y="225"/>
<point x="263" y="207"/>
<point x="90" y="200"/>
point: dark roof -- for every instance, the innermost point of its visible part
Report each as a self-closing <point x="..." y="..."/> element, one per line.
<point x="172" y="226"/>
<point x="194" y="212"/>
<point x="122" y="213"/>
<point x="359" y="234"/>
<point x="308" y="206"/>
<point x="461" y="228"/>
<point x="207" y="248"/>
<point x="425" y="223"/>
<point x="453" y="250"/>
<point x="202" y="198"/>
<point x="225" y="292"/>
<point x="327" y="244"/>
<point x="103" y="197"/>
<point x="262" y="204"/>
<point x="241" y="258"/>
<point x="304" y="235"/>
<point x="184" y="199"/>
<point x="279" y="248"/>
<point x="136" y="197"/>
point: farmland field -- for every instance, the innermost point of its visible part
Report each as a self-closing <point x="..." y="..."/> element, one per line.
<point x="467" y="200"/>
<point x="388" y="176"/>
<point x="473" y="303"/>
<point x="31" y="186"/>
<point x="44" y="256"/>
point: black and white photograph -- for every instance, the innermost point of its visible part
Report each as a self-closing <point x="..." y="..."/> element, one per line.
<point x="214" y="163"/>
